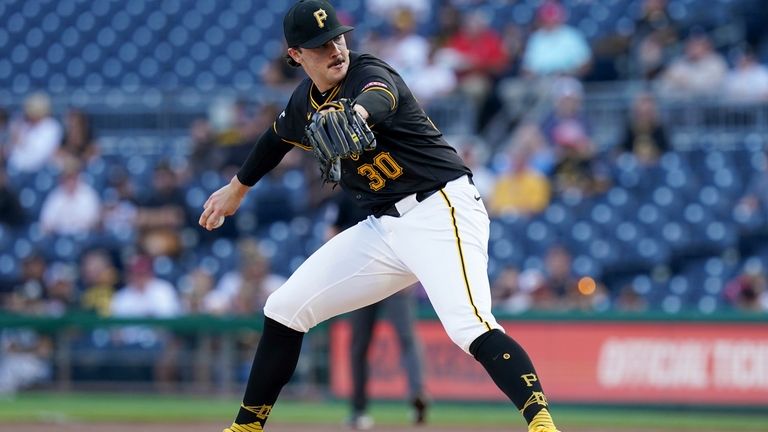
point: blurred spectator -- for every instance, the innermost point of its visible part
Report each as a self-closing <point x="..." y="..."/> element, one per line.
<point x="99" y="278"/>
<point x="161" y="214"/>
<point x="698" y="72"/>
<point x="25" y="356"/>
<point x="474" y="153"/>
<point x="513" y="38"/>
<point x="119" y="211"/>
<point x="34" y="139"/>
<point x="644" y="134"/>
<point x="11" y="212"/>
<point x="558" y="273"/>
<point x="73" y="207"/>
<point x="521" y="190"/>
<point x="566" y="126"/>
<point x="144" y="295"/>
<point x="237" y="128"/>
<point x="29" y="290"/>
<point x="405" y="50"/>
<point x="654" y="36"/>
<point x="194" y="287"/>
<point x="587" y="295"/>
<point x="629" y="300"/>
<point x="386" y="9"/>
<point x="749" y="291"/>
<point x="61" y="290"/>
<point x="528" y="139"/>
<point x="449" y="20"/>
<point x="245" y="290"/>
<point x="204" y="153"/>
<point x="434" y="80"/>
<point x="25" y="360"/>
<point x="556" y="48"/>
<point x="479" y="56"/>
<point x="250" y="122"/>
<point x="577" y="168"/>
<point x="280" y="75"/>
<point x="78" y="136"/>
<point x="543" y="296"/>
<point x="507" y="294"/>
<point x="747" y="81"/>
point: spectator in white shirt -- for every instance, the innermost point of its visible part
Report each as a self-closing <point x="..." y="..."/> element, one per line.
<point x="35" y="139"/>
<point x="699" y="72"/>
<point x="73" y="207"/>
<point x="747" y="81"/>
<point x="145" y="295"/>
<point x="405" y="50"/>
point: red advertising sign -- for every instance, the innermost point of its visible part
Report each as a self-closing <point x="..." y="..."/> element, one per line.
<point x="617" y="362"/>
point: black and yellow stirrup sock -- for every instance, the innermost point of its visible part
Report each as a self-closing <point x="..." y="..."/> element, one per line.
<point x="512" y="370"/>
<point x="274" y="364"/>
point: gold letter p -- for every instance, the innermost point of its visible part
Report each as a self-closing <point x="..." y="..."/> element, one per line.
<point x="320" y="17"/>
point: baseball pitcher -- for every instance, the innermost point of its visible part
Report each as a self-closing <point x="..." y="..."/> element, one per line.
<point x="426" y="223"/>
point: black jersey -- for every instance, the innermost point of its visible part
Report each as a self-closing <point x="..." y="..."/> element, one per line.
<point x="411" y="155"/>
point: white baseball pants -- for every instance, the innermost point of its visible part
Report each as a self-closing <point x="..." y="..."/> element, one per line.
<point x="441" y="242"/>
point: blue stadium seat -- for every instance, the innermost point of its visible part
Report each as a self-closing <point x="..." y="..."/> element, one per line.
<point x="9" y="266"/>
<point x="506" y="251"/>
<point x="671" y="304"/>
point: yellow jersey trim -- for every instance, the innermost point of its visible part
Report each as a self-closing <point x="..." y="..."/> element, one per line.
<point x="294" y="143"/>
<point x="329" y="98"/>
<point x="299" y="145"/>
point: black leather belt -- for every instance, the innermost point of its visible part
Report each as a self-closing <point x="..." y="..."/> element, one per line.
<point x="420" y="196"/>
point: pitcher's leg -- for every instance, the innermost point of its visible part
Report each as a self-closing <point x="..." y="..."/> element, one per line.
<point x="511" y="369"/>
<point x="455" y="228"/>
<point x="273" y="365"/>
<point x="339" y="277"/>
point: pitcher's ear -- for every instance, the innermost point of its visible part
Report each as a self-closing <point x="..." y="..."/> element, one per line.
<point x="291" y="56"/>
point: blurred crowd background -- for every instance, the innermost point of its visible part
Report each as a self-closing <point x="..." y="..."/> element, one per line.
<point x="619" y="146"/>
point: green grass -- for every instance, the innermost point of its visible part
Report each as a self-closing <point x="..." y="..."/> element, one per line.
<point x="45" y="407"/>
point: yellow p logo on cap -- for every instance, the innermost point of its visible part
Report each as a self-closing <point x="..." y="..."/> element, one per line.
<point x="320" y="17"/>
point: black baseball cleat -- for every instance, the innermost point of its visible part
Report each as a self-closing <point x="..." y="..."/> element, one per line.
<point x="419" y="405"/>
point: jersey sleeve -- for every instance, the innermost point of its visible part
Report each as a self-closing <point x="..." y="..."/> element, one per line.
<point x="375" y="89"/>
<point x="263" y="157"/>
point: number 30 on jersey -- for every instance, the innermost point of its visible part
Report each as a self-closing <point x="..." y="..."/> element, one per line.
<point x="383" y="166"/>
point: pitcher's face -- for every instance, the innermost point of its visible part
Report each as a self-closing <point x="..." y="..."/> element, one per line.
<point x="326" y="65"/>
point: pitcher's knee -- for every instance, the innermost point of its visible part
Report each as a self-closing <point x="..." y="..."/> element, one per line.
<point x="288" y="311"/>
<point x="463" y="337"/>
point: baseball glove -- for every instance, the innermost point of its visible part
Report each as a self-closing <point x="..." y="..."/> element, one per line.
<point x="337" y="132"/>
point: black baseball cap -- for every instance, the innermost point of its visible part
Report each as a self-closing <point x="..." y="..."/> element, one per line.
<point x="312" y="23"/>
